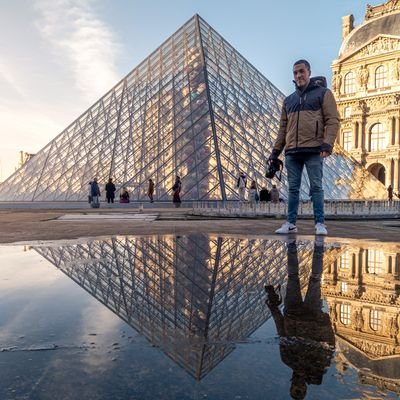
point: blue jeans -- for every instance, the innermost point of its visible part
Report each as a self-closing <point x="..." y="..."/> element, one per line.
<point x="312" y="303"/>
<point x="294" y="166"/>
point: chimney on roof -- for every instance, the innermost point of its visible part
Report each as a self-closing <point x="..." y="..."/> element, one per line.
<point x="347" y="25"/>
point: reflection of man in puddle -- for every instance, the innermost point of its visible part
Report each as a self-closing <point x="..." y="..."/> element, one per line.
<point x="306" y="335"/>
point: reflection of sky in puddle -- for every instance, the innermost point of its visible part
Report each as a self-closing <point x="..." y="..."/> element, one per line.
<point x="200" y="300"/>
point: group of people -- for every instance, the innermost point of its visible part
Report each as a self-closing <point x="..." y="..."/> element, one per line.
<point x="124" y="197"/>
<point x="255" y="196"/>
<point x="110" y="189"/>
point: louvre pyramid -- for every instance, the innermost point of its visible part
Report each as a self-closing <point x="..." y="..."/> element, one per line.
<point x="195" y="108"/>
<point x="192" y="296"/>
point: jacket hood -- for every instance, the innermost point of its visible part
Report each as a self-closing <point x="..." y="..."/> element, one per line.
<point x="316" y="81"/>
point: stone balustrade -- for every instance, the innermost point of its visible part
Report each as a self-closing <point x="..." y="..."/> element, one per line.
<point x="348" y="208"/>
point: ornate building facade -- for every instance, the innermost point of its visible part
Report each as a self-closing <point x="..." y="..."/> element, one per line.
<point x="362" y="289"/>
<point x="366" y="83"/>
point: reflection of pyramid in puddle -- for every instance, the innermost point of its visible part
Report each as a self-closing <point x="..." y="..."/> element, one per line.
<point x="193" y="296"/>
<point x="195" y="107"/>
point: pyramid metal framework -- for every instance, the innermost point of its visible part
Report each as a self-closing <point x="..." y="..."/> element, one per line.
<point x="195" y="108"/>
<point x="192" y="296"/>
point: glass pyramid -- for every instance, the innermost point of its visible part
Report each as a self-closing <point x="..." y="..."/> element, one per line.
<point x="195" y="297"/>
<point x="194" y="108"/>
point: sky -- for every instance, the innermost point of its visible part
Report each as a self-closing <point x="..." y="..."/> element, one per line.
<point x="57" y="57"/>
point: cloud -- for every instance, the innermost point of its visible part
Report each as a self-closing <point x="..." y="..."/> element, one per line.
<point x="59" y="59"/>
<point x="82" y="42"/>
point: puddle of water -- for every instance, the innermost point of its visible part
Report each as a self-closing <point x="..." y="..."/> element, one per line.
<point x="187" y="317"/>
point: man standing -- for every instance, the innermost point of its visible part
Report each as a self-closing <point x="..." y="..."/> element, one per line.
<point x="110" y="191"/>
<point x="390" y="193"/>
<point x="150" y="190"/>
<point x="241" y="184"/>
<point x="308" y="128"/>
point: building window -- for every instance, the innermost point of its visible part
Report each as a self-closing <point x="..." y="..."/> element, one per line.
<point x="375" y="259"/>
<point x="345" y="314"/>
<point x="343" y="287"/>
<point x="381" y="77"/>
<point x="344" y="261"/>
<point x="347" y="140"/>
<point x="375" y="319"/>
<point x="349" y="83"/>
<point x="378" y="139"/>
<point x="347" y="112"/>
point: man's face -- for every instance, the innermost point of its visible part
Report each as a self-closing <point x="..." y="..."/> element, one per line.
<point x="301" y="75"/>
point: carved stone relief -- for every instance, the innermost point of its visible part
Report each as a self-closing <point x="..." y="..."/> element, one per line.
<point x="358" y="320"/>
<point x="363" y="75"/>
<point x="336" y="82"/>
<point x="379" y="46"/>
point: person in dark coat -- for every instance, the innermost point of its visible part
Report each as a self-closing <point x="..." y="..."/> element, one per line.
<point x="390" y="192"/>
<point x="95" y="192"/>
<point x="264" y="195"/>
<point x="306" y="335"/>
<point x="110" y="191"/>
<point x="150" y="191"/>
<point x="124" y="196"/>
<point x="176" y="189"/>
<point x="274" y="193"/>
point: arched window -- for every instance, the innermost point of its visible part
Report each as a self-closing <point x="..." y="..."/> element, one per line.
<point x="375" y="319"/>
<point x="345" y="314"/>
<point x="347" y="140"/>
<point x="381" y="77"/>
<point x="349" y="83"/>
<point x="378" y="139"/>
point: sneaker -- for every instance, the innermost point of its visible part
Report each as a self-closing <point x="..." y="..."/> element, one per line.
<point x="286" y="228"/>
<point x="320" y="229"/>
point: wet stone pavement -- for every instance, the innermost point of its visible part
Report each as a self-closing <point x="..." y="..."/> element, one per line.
<point x="200" y="316"/>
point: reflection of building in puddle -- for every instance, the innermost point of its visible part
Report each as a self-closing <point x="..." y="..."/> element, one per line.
<point x="193" y="296"/>
<point x="362" y="289"/>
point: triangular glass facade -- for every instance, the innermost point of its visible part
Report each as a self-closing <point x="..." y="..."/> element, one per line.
<point x="195" y="108"/>
<point x="192" y="296"/>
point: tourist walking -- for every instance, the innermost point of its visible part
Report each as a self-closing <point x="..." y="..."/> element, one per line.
<point x="274" y="194"/>
<point x="89" y="192"/>
<point x="308" y="128"/>
<point x="110" y="191"/>
<point x="176" y="189"/>
<point x="390" y="193"/>
<point x="95" y="193"/>
<point x="241" y="185"/>
<point x="253" y="193"/>
<point x="150" y="190"/>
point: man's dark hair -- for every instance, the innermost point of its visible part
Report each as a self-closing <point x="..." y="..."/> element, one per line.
<point x="305" y="62"/>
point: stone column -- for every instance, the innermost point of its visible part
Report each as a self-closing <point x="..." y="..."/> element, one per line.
<point x="391" y="130"/>
<point x="357" y="272"/>
<point x="366" y="139"/>
<point x="355" y="142"/>
<point x="387" y="264"/>
<point x="397" y="131"/>
<point x="396" y="167"/>
<point x="362" y="136"/>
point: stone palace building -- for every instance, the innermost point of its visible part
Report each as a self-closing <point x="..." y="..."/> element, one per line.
<point x="366" y="83"/>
